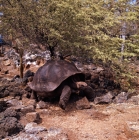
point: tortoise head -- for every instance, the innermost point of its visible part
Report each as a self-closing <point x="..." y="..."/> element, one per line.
<point x="81" y="84"/>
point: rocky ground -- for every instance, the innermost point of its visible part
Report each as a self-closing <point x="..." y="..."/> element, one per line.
<point x="113" y="115"/>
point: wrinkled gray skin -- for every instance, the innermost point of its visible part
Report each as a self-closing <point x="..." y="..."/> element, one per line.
<point x="59" y="78"/>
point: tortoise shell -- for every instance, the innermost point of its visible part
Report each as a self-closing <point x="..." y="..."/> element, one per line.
<point x="52" y="74"/>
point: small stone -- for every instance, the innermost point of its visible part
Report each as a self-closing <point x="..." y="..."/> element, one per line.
<point x="42" y="105"/>
<point x="33" y="117"/>
<point x="27" y="109"/>
<point x="83" y="104"/>
<point x="44" y="112"/>
<point x="54" y="131"/>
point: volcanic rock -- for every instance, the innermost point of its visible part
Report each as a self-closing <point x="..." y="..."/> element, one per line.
<point x="33" y="117"/>
<point x="83" y="104"/>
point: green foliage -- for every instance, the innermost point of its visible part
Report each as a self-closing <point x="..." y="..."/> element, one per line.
<point x="85" y="28"/>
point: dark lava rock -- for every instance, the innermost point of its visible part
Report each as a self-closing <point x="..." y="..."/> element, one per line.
<point x="10" y="112"/>
<point x="88" y="76"/>
<point x="28" y="89"/>
<point x="10" y="88"/>
<point x="9" y="124"/>
<point x="28" y="73"/>
<point x="3" y="106"/>
<point x="13" y="90"/>
<point x="100" y="92"/>
<point x="5" y="81"/>
<point x="3" y="92"/>
<point x="2" y="88"/>
<point x="6" y="93"/>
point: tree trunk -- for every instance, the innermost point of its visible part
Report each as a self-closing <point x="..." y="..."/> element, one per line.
<point x="21" y="63"/>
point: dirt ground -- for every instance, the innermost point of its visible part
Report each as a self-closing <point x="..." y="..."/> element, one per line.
<point x="101" y="122"/>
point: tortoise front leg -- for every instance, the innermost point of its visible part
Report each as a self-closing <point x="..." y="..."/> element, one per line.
<point x="66" y="92"/>
<point x="89" y="93"/>
<point x="87" y="90"/>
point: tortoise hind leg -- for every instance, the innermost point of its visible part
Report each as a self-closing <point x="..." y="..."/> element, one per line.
<point x="34" y="95"/>
<point x="66" y="92"/>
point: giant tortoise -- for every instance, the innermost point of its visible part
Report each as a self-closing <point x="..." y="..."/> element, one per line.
<point x="59" y="78"/>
